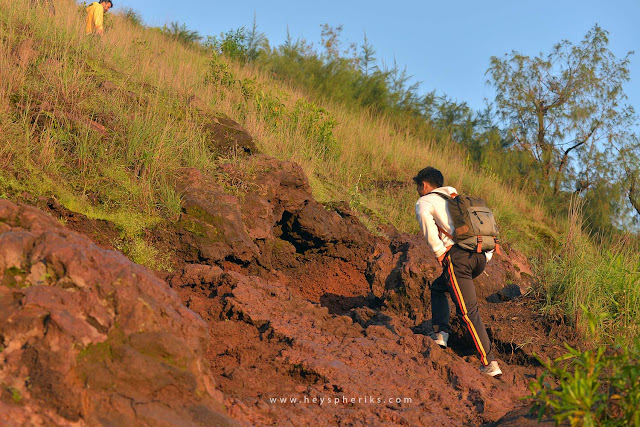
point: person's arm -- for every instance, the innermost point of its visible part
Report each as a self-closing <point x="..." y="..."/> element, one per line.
<point x="424" y="214"/>
<point x="99" y="20"/>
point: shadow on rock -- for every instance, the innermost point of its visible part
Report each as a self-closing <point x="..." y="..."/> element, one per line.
<point x="339" y="304"/>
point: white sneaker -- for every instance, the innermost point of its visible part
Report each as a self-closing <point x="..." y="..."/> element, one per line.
<point x="440" y="338"/>
<point x="492" y="369"/>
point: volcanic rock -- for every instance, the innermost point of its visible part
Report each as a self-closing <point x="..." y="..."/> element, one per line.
<point x="88" y="337"/>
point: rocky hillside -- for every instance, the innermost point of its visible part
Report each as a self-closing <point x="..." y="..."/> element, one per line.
<point x="271" y="295"/>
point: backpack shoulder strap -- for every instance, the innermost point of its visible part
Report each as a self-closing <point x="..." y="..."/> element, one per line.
<point x="444" y="196"/>
<point x="447" y="198"/>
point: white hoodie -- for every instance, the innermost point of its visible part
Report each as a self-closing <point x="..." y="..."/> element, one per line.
<point x="432" y="211"/>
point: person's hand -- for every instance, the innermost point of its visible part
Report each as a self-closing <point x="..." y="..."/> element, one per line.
<point x="441" y="257"/>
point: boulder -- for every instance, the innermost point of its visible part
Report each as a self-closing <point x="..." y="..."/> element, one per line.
<point x="224" y="136"/>
<point x="211" y="222"/>
<point x="88" y="337"/>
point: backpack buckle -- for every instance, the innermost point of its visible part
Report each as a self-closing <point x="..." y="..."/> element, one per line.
<point x="498" y="251"/>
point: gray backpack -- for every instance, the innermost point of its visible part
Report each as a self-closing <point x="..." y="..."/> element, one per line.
<point x="475" y="226"/>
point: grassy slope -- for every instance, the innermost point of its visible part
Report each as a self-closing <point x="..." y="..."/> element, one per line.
<point x="113" y="154"/>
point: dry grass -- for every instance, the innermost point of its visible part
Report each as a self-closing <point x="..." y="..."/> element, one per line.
<point x="152" y="130"/>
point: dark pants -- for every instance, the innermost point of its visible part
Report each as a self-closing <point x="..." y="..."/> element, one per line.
<point x="460" y="267"/>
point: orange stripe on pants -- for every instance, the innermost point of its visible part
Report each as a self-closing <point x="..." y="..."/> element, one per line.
<point x="464" y="313"/>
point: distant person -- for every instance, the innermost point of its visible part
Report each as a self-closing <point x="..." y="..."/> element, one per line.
<point x="459" y="268"/>
<point x="95" y="16"/>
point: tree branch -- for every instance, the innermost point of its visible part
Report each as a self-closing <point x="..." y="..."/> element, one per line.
<point x="633" y="198"/>
<point x="565" y="157"/>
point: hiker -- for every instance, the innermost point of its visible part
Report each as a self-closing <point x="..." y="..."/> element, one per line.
<point x="95" y="15"/>
<point x="459" y="267"/>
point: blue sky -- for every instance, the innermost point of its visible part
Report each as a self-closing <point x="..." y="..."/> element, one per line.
<point x="445" y="45"/>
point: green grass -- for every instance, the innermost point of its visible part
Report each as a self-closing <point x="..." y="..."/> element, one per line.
<point x="597" y="387"/>
<point x="604" y="277"/>
<point x="16" y="396"/>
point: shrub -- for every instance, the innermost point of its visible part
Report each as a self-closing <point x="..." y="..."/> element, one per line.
<point x="595" y="387"/>
<point x="132" y="16"/>
<point x="181" y="33"/>
<point x="232" y="44"/>
<point x="317" y="123"/>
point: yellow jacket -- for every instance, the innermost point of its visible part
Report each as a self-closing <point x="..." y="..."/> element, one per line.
<point x="95" y="15"/>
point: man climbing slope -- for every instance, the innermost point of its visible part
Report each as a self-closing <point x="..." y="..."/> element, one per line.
<point x="95" y="16"/>
<point x="460" y="267"/>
